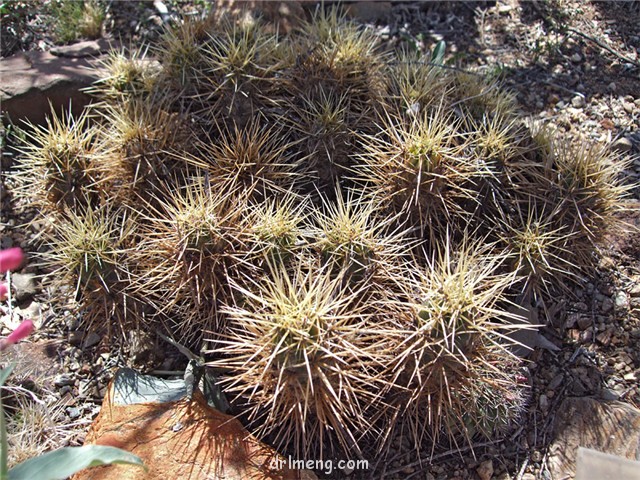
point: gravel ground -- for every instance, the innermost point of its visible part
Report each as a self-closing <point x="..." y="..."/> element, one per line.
<point x="573" y="64"/>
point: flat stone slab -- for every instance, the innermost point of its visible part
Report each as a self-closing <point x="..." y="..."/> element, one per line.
<point x="611" y="427"/>
<point x="34" y="82"/>
<point x="594" y="464"/>
<point x="183" y="439"/>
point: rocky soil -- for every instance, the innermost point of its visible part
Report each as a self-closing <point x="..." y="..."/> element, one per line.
<point x="572" y="64"/>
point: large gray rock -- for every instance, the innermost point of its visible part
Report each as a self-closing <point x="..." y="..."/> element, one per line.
<point x="606" y="426"/>
<point x="595" y="464"/>
<point x="24" y="285"/>
<point x="32" y="81"/>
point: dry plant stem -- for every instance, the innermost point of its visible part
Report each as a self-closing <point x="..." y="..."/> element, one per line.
<point x="439" y="456"/>
<point x="9" y="298"/>
<point x="602" y="45"/>
<point x="523" y="469"/>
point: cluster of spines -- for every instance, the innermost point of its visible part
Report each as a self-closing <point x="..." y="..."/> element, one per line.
<point x="308" y="205"/>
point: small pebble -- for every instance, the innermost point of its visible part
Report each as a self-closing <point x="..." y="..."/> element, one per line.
<point x="581" y="306"/>
<point x="536" y="456"/>
<point x="578" y="101"/>
<point x="586" y="335"/>
<point x="75" y="338"/>
<point x="63" y="380"/>
<point x="91" y="340"/>
<point x="622" y="145"/>
<point x="621" y="301"/>
<point x="74" y="365"/>
<point x="6" y="242"/>
<point x="543" y="401"/>
<point x="576" y="58"/>
<point x="485" y="470"/>
<point x="74" y="412"/>
<point x="584" y="322"/>
<point x="556" y="381"/>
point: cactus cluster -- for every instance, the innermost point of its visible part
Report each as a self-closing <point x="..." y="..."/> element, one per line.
<point x="342" y="229"/>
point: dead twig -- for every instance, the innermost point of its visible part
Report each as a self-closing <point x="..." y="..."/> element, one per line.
<point x="420" y="463"/>
<point x="602" y="45"/>
<point x="522" y="470"/>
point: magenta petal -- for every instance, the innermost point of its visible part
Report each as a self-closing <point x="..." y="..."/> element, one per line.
<point x="10" y="259"/>
<point x="23" y="331"/>
<point x="3" y="291"/>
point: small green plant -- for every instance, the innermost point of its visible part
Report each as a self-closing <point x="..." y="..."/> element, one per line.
<point x="14" y="17"/>
<point x="76" y="19"/>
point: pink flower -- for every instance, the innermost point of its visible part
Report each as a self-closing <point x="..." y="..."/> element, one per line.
<point x="10" y="259"/>
<point x="3" y="291"/>
<point x="23" y="331"/>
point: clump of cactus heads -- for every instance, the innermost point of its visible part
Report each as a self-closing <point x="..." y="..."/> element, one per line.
<point x="127" y="75"/>
<point x="540" y="250"/>
<point x="89" y="252"/>
<point x="189" y="247"/>
<point x="55" y="169"/>
<point x="478" y="96"/>
<point x="298" y="354"/>
<point x="358" y="241"/>
<point x="415" y="83"/>
<point x="180" y="53"/>
<point x="240" y="61"/>
<point x="276" y="228"/>
<point x="586" y="189"/>
<point x="420" y="168"/>
<point x="254" y="160"/>
<point x="337" y="55"/>
<point x="579" y="188"/>
<point x="449" y="347"/>
<point x="308" y="204"/>
<point x="498" y="140"/>
<point x="322" y="119"/>
<point x="134" y="155"/>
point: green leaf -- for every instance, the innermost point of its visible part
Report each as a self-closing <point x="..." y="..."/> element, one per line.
<point x="64" y="462"/>
<point x="5" y="372"/>
<point x="438" y="52"/>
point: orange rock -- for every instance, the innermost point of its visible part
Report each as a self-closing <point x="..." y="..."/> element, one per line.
<point x="183" y="440"/>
